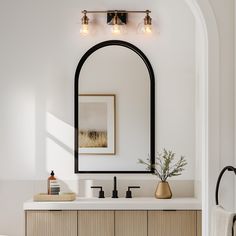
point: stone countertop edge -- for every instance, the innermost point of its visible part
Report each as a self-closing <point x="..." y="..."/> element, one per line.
<point x="139" y="203"/>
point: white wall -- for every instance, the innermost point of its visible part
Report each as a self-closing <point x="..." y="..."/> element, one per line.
<point x="40" y="49"/>
<point x="234" y="97"/>
<point x="39" y="89"/>
<point x="224" y="13"/>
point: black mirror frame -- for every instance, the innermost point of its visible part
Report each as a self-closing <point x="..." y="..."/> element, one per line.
<point x="152" y="106"/>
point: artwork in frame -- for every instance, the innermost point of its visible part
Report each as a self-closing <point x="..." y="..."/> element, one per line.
<point x="96" y="124"/>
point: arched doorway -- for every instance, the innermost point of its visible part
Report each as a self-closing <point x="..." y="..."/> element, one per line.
<point x="208" y="104"/>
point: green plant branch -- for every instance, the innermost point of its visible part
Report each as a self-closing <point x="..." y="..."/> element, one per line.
<point x="163" y="166"/>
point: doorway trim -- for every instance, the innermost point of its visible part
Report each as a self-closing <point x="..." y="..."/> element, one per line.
<point x="208" y="105"/>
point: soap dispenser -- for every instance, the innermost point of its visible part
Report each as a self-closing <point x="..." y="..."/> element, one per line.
<point x="53" y="186"/>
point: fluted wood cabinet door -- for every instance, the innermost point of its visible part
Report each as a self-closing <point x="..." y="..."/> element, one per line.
<point x="172" y="223"/>
<point x="130" y="223"/>
<point x="51" y="223"/>
<point x="199" y="223"/>
<point x="95" y="223"/>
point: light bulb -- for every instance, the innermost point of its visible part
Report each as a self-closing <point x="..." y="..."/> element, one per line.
<point x="147" y="29"/>
<point x="117" y="26"/>
<point x="116" y="29"/>
<point x="84" y="30"/>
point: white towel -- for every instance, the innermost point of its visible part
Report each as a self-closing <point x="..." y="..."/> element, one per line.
<point x="222" y="222"/>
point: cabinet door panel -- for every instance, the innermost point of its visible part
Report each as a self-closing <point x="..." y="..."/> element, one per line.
<point x="172" y="223"/>
<point x="96" y="223"/>
<point x="131" y="223"/>
<point x="199" y="223"/>
<point x="51" y="223"/>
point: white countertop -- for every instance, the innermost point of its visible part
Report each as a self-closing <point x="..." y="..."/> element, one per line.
<point x="142" y="203"/>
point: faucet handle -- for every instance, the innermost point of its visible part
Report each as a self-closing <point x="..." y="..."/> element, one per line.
<point x="129" y="193"/>
<point x="101" y="192"/>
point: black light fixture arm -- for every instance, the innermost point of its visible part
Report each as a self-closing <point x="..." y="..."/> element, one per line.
<point x="229" y="168"/>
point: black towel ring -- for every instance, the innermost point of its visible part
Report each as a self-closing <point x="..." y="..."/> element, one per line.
<point x="229" y="168"/>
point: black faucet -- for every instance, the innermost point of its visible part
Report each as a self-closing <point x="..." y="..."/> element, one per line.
<point x="101" y="192"/>
<point x="129" y="193"/>
<point x="115" y="192"/>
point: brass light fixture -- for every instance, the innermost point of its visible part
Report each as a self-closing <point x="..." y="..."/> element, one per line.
<point x="118" y="20"/>
<point x="147" y="26"/>
<point x="117" y="23"/>
<point x="84" y="24"/>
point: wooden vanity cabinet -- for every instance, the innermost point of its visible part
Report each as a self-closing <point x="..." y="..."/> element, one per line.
<point x="130" y="223"/>
<point x="113" y="223"/>
<point x="51" y="223"/>
<point x="96" y="223"/>
<point x="199" y="223"/>
<point x="172" y="223"/>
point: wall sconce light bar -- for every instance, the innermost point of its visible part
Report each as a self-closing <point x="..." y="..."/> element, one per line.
<point x="114" y="11"/>
<point x="116" y="18"/>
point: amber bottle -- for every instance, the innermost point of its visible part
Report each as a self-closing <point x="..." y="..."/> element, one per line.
<point x="51" y="178"/>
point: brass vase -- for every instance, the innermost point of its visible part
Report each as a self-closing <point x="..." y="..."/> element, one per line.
<point x="163" y="190"/>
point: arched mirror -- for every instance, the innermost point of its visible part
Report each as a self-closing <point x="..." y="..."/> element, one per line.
<point x="114" y="110"/>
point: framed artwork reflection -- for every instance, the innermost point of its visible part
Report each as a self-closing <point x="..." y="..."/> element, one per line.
<point x="96" y="124"/>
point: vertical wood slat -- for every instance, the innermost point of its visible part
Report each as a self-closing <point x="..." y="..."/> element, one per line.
<point x="130" y="223"/>
<point x="96" y="223"/>
<point x="172" y="223"/>
<point x="199" y="223"/>
<point x="103" y="223"/>
<point x="51" y="223"/>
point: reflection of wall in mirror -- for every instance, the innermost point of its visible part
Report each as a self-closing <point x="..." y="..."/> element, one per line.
<point x="92" y="124"/>
<point x="119" y="70"/>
